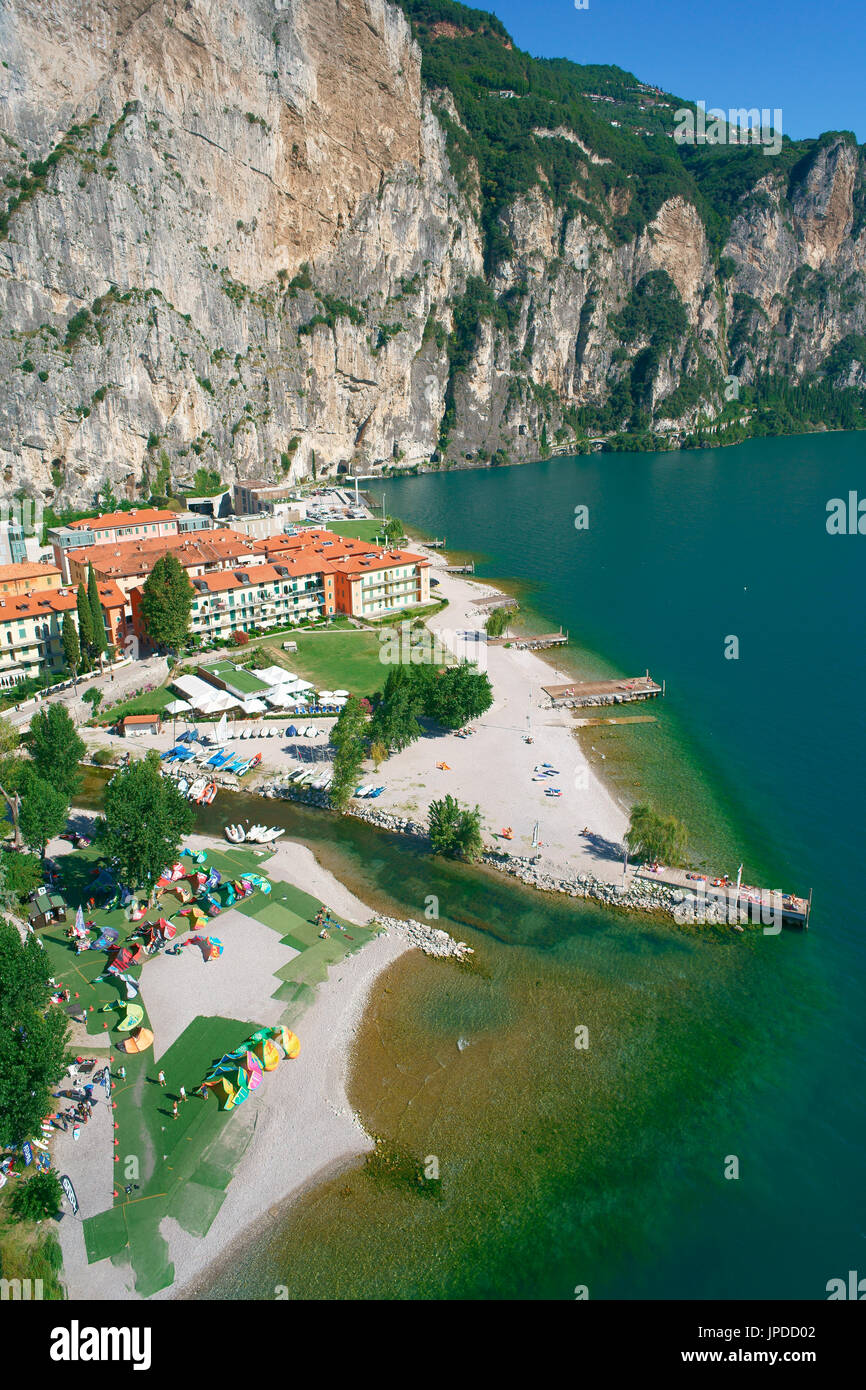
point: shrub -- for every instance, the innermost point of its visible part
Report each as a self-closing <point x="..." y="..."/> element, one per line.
<point x="38" y="1198"/>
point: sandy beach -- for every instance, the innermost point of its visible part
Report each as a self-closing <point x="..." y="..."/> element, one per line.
<point x="296" y="1129"/>
<point x="495" y="766"/>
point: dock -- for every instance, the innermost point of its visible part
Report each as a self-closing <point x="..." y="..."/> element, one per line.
<point x="435" y="545"/>
<point x="744" y="903"/>
<point x="581" y="693"/>
<point x="531" y="644"/>
<point x="460" y="569"/>
<point x="496" y="601"/>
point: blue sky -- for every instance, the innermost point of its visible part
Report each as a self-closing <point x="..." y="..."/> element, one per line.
<point x="803" y="57"/>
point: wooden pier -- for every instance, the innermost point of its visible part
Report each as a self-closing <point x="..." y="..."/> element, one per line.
<point x="581" y="693"/>
<point x="435" y="545"/>
<point x="460" y="569"/>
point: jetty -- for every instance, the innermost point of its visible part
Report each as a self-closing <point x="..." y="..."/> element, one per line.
<point x="740" y="902"/>
<point x="612" y="692"/>
<point x="435" y="545"/>
<point x="531" y="644"/>
<point x="460" y="569"/>
<point x="496" y="601"/>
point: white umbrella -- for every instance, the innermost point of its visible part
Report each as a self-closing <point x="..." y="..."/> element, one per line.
<point x="326" y="694"/>
<point x="342" y="694"/>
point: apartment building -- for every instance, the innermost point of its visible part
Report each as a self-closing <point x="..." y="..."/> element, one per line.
<point x="118" y="528"/>
<point x="262" y="596"/>
<point x="369" y="581"/>
<point x="31" y="628"/>
<point x="27" y="578"/>
<point x="377" y="583"/>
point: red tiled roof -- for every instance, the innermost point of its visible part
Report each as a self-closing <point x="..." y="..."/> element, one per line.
<point x="148" y="515"/>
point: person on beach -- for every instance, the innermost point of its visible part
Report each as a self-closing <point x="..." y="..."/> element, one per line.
<point x="183" y="1095"/>
<point x="174" y="1111"/>
<point x="121" y="1072"/>
<point x="204" y="1091"/>
<point x="161" y="1078"/>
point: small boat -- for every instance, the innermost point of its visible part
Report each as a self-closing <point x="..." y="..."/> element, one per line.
<point x="235" y="833"/>
<point x="197" y="788"/>
<point x="270" y="835"/>
<point x="255" y="760"/>
<point x="183" y="786"/>
<point x="208" y="794"/>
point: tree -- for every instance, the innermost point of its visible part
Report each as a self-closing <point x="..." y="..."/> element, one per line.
<point x="458" y="694"/>
<point x="497" y="622"/>
<point x="39" y="1197"/>
<point x="351" y="723"/>
<point x="395" y="720"/>
<point x="85" y="622"/>
<point x="20" y="873"/>
<point x="378" y="752"/>
<point x="100" y="641"/>
<point x="239" y="638"/>
<point x="55" y="749"/>
<point x="71" y="645"/>
<point x="145" y="821"/>
<point x="10" y="774"/>
<point x="44" y="812"/>
<point x="33" y="1035"/>
<point x="349" y="738"/>
<point x="655" y="838"/>
<point x="93" y="696"/>
<point x="394" y="530"/>
<point x="455" y="830"/>
<point x="166" y="603"/>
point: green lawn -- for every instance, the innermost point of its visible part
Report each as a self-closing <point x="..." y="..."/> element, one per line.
<point x="358" y="530"/>
<point x="337" y="660"/>
<point x="153" y="702"/>
<point x="247" y="682"/>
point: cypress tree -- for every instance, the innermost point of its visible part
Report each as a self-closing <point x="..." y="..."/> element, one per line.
<point x="85" y="622"/>
<point x="100" y="641"/>
<point x="71" y="644"/>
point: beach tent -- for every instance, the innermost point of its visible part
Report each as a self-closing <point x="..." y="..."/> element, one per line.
<point x="139" y="1041"/>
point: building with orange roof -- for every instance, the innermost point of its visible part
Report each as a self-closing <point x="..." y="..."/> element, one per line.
<point x="369" y="581"/>
<point x="373" y="584"/>
<point x="111" y="528"/>
<point x="288" y="592"/>
<point x="31" y="628"/>
<point x="26" y="578"/>
<point x="128" y="563"/>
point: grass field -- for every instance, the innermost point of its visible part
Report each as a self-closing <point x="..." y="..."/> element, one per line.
<point x="153" y="702"/>
<point x="337" y="660"/>
<point x="180" y="1168"/>
<point x="359" y="530"/>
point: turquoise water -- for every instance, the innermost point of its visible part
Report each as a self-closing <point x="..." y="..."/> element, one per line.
<point x="607" y="1168"/>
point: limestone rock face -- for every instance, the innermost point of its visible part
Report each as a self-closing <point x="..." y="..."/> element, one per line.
<point x="233" y="240"/>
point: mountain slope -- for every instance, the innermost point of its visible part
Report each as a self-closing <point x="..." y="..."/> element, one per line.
<point x="255" y="240"/>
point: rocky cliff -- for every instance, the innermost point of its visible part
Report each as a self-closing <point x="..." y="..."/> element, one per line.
<point x="252" y="237"/>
